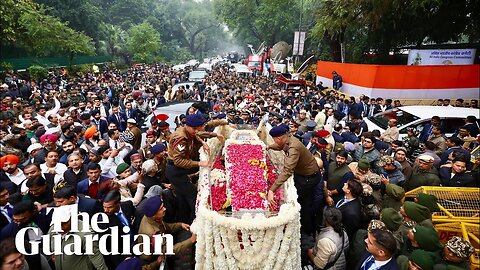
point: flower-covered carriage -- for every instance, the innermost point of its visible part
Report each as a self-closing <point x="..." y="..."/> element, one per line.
<point x="235" y="227"/>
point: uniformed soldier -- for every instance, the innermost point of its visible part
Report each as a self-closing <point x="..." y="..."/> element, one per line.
<point x="151" y="140"/>
<point x="246" y="119"/>
<point x="183" y="160"/>
<point x="300" y="163"/>
<point x="231" y="117"/>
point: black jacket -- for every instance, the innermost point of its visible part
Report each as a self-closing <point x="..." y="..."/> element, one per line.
<point x="458" y="180"/>
<point x="352" y="217"/>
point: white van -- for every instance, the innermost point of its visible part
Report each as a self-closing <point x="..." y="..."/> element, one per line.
<point x="418" y="116"/>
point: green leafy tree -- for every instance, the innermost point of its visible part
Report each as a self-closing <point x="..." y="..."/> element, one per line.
<point x="382" y="26"/>
<point x="126" y="13"/>
<point x="44" y="35"/>
<point x="82" y="15"/>
<point x="10" y="11"/>
<point x="114" y="39"/>
<point x="256" y="21"/>
<point x="144" y="43"/>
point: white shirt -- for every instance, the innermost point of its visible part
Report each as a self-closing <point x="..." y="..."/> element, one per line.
<point x="60" y="168"/>
<point x="18" y="178"/>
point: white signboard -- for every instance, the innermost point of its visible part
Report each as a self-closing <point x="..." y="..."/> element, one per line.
<point x="298" y="42"/>
<point x="441" y="57"/>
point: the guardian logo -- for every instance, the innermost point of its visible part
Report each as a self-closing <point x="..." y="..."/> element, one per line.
<point x="80" y="242"/>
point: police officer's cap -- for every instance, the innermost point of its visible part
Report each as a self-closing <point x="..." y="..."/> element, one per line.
<point x="278" y="130"/>
<point x="311" y="124"/>
<point x="245" y="113"/>
<point x="231" y="113"/>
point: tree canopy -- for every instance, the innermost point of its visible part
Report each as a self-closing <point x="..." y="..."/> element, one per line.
<point x="200" y="28"/>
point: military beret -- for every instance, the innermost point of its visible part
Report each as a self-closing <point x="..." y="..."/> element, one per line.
<point x="152" y="205"/>
<point x="429" y="201"/>
<point x="195" y="120"/>
<point x="416" y="212"/>
<point x="392" y="219"/>
<point x="363" y="164"/>
<point x="121" y="168"/>
<point x="163" y="125"/>
<point x="157" y="148"/>
<point x="395" y="191"/>
<point x="422" y="258"/>
<point x="278" y="130"/>
<point x="427" y="238"/>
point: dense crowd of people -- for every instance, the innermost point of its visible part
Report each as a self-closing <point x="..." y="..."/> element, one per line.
<point x="80" y="140"/>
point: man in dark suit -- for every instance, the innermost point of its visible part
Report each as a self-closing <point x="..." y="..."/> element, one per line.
<point x="25" y="215"/>
<point x="427" y="129"/>
<point x="130" y="113"/>
<point x="66" y="194"/>
<point x="118" y="118"/>
<point x="381" y="246"/>
<point x="120" y="215"/>
<point x="454" y="144"/>
<point x="77" y="171"/>
<point x="454" y="175"/>
<point x="91" y="186"/>
<point x="99" y="122"/>
<point x="350" y="207"/>
<point x="6" y="209"/>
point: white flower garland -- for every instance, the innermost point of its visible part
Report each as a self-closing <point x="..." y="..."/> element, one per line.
<point x="268" y="242"/>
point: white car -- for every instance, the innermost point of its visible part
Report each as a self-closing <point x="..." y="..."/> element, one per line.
<point x="170" y="110"/>
<point x="418" y="116"/>
<point x="241" y="69"/>
<point x="179" y="67"/>
<point x="192" y="63"/>
<point x="197" y="75"/>
<point x="206" y="66"/>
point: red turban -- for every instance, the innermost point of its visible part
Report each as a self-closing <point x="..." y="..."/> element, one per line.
<point x="51" y="137"/>
<point x="9" y="158"/>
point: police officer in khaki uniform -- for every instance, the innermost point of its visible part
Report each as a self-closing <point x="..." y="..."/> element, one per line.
<point x="183" y="160"/>
<point x="300" y="163"/>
